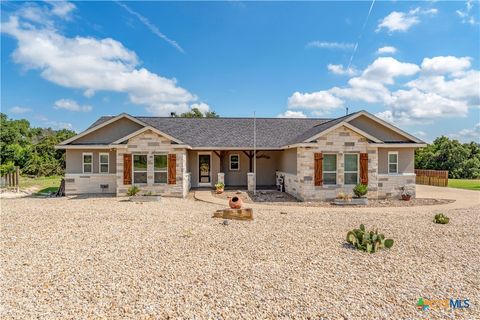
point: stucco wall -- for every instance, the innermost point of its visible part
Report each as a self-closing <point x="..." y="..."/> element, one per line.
<point x="111" y="132"/>
<point x="150" y="143"/>
<point x="406" y="160"/>
<point x="74" y="160"/>
<point x="287" y="161"/>
<point x="376" y="129"/>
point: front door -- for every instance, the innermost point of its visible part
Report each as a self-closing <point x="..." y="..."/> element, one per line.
<point x="204" y="169"/>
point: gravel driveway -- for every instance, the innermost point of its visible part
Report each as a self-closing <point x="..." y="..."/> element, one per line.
<point x="108" y="258"/>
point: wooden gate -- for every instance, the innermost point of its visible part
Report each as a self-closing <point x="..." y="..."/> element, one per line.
<point x="438" y="178"/>
<point x="11" y="179"/>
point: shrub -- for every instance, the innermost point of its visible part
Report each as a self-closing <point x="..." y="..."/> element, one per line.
<point x="7" y="168"/>
<point x="369" y="241"/>
<point x="441" y="218"/>
<point x="132" y="191"/>
<point x="360" y="190"/>
<point x="220" y="185"/>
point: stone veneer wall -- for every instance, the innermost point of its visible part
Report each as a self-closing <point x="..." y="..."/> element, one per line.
<point x="340" y="141"/>
<point x="390" y="185"/>
<point x="89" y="183"/>
<point x="151" y="143"/>
<point x="291" y="183"/>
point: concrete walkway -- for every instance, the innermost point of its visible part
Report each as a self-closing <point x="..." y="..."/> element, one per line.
<point x="463" y="199"/>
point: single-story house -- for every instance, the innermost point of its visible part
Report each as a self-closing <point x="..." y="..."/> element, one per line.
<point x="315" y="158"/>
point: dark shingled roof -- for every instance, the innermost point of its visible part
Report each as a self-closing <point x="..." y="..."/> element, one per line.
<point x="232" y="132"/>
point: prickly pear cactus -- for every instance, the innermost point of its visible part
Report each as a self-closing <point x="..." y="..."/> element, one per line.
<point x="441" y="218"/>
<point x="369" y="241"/>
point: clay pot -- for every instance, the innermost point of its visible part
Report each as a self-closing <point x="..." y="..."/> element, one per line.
<point x="406" y="197"/>
<point x="235" y="203"/>
<point x="218" y="191"/>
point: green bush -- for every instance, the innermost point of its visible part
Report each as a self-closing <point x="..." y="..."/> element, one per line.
<point x="360" y="190"/>
<point x="441" y="219"/>
<point x="7" y="168"/>
<point x="219" y="185"/>
<point x="369" y="241"/>
<point x="133" y="191"/>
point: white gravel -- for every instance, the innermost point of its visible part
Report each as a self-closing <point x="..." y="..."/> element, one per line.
<point x="108" y="258"/>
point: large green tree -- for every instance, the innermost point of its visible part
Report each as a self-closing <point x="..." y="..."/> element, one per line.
<point x="461" y="160"/>
<point x="196" y="113"/>
<point x="32" y="149"/>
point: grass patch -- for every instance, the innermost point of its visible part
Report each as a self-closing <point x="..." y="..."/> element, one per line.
<point x="44" y="184"/>
<point x="473" y="184"/>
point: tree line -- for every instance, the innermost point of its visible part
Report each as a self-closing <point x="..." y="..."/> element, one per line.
<point x="462" y="160"/>
<point x="33" y="150"/>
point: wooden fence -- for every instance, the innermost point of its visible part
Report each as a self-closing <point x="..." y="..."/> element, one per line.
<point x="11" y="180"/>
<point x="437" y="178"/>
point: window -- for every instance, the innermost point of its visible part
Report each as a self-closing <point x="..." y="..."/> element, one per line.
<point x="160" y="168"/>
<point x="351" y="168"/>
<point x="87" y="162"/>
<point x="393" y="162"/>
<point x="103" y="162"/>
<point x="139" y="168"/>
<point x="234" y="162"/>
<point x="329" y="169"/>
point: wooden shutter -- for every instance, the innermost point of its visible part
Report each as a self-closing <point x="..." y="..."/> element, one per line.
<point x="127" y="169"/>
<point x="318" y="164"/>
<point x="172" y="168"/>
<point x="364" y="168"/>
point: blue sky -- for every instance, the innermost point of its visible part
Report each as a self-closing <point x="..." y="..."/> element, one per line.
<point x="415" y="64"/>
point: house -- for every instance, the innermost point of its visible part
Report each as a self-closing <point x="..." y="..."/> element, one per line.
<point x="317" y="158"/>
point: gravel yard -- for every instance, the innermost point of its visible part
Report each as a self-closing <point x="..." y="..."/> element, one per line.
<point x="109" y="258"/>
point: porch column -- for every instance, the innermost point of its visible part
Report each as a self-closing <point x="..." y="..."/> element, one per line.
<point x="221" y="178"/>
<point x="251" y="181"/>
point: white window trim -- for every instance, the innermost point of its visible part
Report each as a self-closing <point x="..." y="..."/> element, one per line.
<point x="336" y="166"/>
<point x="230" y="162"/>
<point x="389" y="163"/>
<point x="162" y="170"/>
<point x="100" y="162"/>
<point x="83" y="161"/>
<point x="345" y="171"/>
<point x="133" y="169"/>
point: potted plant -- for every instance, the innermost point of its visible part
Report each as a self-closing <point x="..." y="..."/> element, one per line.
<point x="406" y="194"/>
<point x="219" y="187"/>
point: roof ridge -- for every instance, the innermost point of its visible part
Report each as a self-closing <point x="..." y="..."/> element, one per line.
<point x="261" y="118"/>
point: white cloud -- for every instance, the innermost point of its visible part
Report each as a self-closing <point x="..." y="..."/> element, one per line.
<point x="445" y="64"/>
<point x="341" y="70"/>
<point x="331" y="45"/>
<point x="94" y="65"/>
<point x="468" y="134"/>
<point x="465" y="15"/>
<point x="422" y="99"/>
<point x="385" y="69"/>
<point x="202" y="107"/>
<point x="387" y="50"/>
<point x="71" y="105"/>
<point x="402" y="21"/>
<point x="417" y="106"/>
<point x="292" y="114"/>
<point x="465" y="87"/>
<point x="62" y="9"/>
<point x="153" y="28"/>
<point x="19" y="110"/>
<point x="322" y="101"/>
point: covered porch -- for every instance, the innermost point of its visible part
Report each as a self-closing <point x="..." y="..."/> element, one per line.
<point x="233" y="167"/>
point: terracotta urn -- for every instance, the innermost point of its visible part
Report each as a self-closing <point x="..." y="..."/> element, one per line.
<point x="235" y="203"/>
<point x="406" y="197"/>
